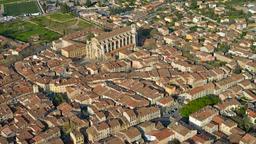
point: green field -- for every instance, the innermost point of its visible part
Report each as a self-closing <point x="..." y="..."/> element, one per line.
<point x="61" y="17"/>
<point x="215" y="63"/>
<point x="48" y="28"/>
<point x="24" y="30"/>
<point x="62" y="23"/>
<point x="197" y="104"/>
<point x="11" y="1"/>
<point x="20" y="8"/>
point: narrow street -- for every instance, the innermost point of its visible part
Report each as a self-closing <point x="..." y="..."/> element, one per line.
<point x="40" y="6"/>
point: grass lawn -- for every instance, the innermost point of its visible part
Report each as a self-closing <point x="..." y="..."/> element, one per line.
<point x="216" y="63"/>
<point x="24" y="30"/>
<point x="83" y="23"/>
<point x="61" y="17"/>
<point x="16" y="9"/>
<point x="197" y="104"/>
<point x="62" y="23"/>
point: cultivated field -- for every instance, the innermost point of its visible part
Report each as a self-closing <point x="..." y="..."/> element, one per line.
<point x="46" y="28"/>
<point x="61" y="17"/>
<point x="23" y="31"/>
<point x="11" y="1"/>
<point x="16" y="8"/>
<point x="61" y="23"/>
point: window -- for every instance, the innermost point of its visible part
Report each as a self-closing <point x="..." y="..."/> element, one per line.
<point x="124" y="41"/>
<point x="117" y="46"/>
<point x="129" y="40"/>
<point x="105" y="48"/>
<point x="121" y="42"/>
<point x="113" y="46"/>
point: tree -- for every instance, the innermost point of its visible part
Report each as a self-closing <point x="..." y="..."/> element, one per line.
<point x="193" y="28"/>
<point x="241" y="111"/>
<point x="58" y="98"/>
<point x="5" y="62"/>
<point x="253" y="48"/>
<point x="216" y="63"/>
<point x="119" y="10"/>
<point x="88" y="3"/>
<point x="237" y="70"/>
<point x="194" y="4"/>
<point x="174" y="141"/>
<point x="197" y="104"/>
<point x="223" y="47"/>
<point x="243" y="34"/>
<point x="102" y="3"/>
<point x="90" y="36"/>
<point x="186" y="53"/>
<point x="64" y="8"/>
<point x="201" y="40"/>
<point x="110" y="20"/>
<point x="4" y="45"/>
<point x="179" y="16"/>
<point x="68" y="127"/>
<point x="153" y="32"/>
<point x="246" y="124"/>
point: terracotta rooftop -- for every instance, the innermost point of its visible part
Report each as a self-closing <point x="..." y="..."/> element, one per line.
<point x="182" y="130"/>
<point x="161" y="134"/>
<point x="114" y="140"/>
<point x="251" y="113"/>
<point x="229" y="123"/>
<point x="227" y="103"/>
<point x="218" y="119"/>
<point x="204" y="113"/>
<point x="248" y="139"/>
<point x="106" y="35"/>
<point x="73" y="47"/>
<point x="132" y="132"/>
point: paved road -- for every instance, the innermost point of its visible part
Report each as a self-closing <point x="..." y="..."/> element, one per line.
<point x="40" y="6"/>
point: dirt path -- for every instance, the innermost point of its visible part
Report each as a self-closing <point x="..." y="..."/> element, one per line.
<point x="77" y="21"/>
<point x="41" y="8"/>
<point x="52" y="19"/>
<point x="47" y="28"/>
<point x="2" y="8"/>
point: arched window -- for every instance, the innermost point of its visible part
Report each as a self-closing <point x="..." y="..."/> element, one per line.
<point x="127" y="39"/>
<point x="113" y="46"/>
<point x="121" y="42"/>
<point x="131" y="39"/>
<point x="109" y="46"/>
<point x="124" y="41"/>
<point x="117" y="46"/>
<point x="105" y="48"/>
